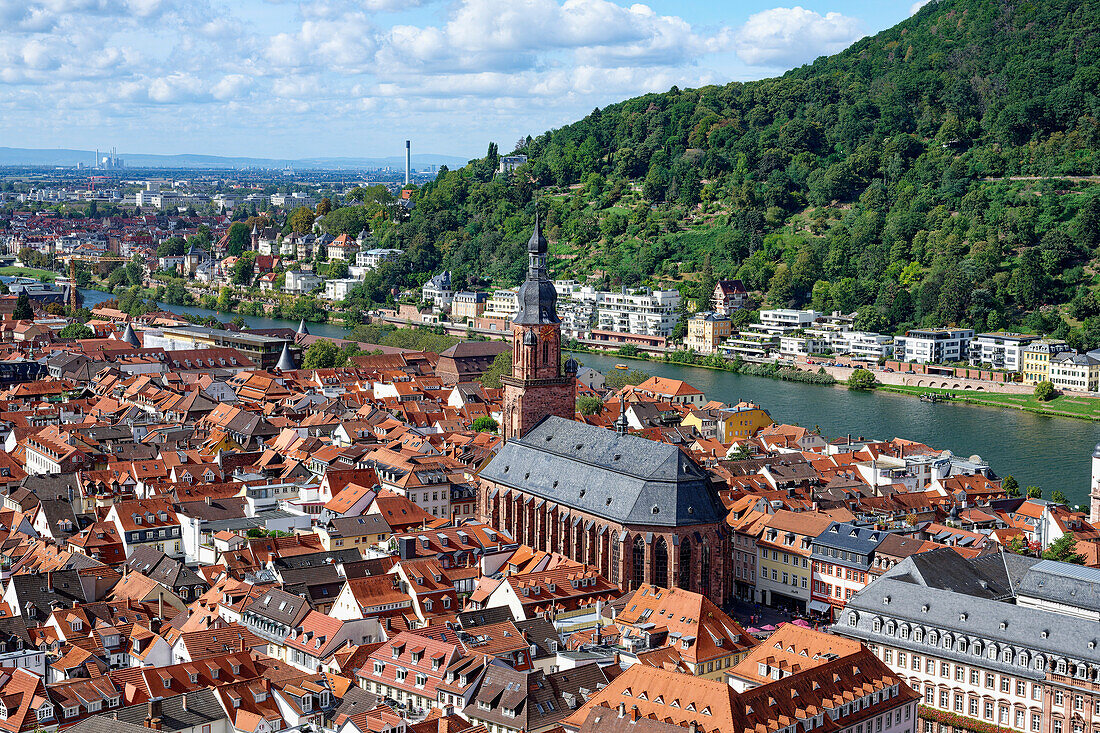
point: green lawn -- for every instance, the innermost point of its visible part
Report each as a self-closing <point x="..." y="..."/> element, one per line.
<point x="1087" y="408"/>
<point x="44" y="275"/>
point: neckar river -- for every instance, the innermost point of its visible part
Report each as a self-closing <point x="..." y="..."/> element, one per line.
<point x="1053" y="453"/>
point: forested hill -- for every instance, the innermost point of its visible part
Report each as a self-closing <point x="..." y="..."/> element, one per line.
<point x="874" y="179"/>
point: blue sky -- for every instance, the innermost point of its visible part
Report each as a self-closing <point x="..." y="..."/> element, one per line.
<point x="356" y="77"/>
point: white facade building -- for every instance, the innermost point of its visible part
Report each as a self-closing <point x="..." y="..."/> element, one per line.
<point x="299" y="282"/>
<point x="1000" y="350"/>
<point x="644" y="312"/>
<point x="934" y="345"/>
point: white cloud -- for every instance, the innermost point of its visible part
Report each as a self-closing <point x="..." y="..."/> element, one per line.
<point x="917" y="6"/>
<point x="793" y="36"/>
<point x="467" y="72"/>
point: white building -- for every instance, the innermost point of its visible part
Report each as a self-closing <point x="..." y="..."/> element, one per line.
<point x="294" y="200"/>
<point x="502" y="303"/>
<point x="299" y="282"/>
<point x="372" y="258"/>
<point x="339" y="289"/>
<point x="509" y="163"/>
<point x="438" y="291"/>
<point x="1075" y="372"/>
<point x="643" y="312"/>
<point x="934" y="345"/>
<point x="1000" y="350"/>
<point x="865" y="345"/>
<point x="784" y="320"/>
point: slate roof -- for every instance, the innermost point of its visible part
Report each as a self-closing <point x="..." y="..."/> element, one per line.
<point x="622" y="478"/>
<point x="931" y="592"/>
<point x="1061" y="582"/>
<point x="202" y="708"/>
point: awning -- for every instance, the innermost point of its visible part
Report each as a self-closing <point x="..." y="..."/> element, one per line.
<point x="820" y="607"/>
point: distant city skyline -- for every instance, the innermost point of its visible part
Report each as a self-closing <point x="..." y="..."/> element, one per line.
<point x="337" y="78"/>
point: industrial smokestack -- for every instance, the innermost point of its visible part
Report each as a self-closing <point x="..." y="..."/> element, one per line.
<point x="408" y="161"/>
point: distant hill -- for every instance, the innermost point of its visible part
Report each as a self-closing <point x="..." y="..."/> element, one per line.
<point x="66" y="157"/>
<point x="882" y="179"/>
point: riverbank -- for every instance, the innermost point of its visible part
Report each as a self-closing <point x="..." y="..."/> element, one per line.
<point x="1071" y="406"/>
<point x="1076" y="407"/>
<point x="43" y="275"/>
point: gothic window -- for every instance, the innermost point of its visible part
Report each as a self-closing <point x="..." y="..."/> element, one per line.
<point x="545" y="352"/>
<point x="685" y="564"/>
<point x="704" y="567"/>
<point x="660" y="563"/>
<point x="615" y="561"/>
<point x="638" y="558"/>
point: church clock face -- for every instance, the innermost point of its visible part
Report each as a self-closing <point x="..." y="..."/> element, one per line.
<point x="548" y="333"/>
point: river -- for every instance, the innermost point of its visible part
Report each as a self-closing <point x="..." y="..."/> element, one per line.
<point x="1051" y="452"/>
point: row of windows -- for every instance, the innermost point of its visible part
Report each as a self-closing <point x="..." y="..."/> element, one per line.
<point x="788" y="558"/>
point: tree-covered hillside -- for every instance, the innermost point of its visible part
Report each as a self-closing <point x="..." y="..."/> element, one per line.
<point x="885" y="178"/>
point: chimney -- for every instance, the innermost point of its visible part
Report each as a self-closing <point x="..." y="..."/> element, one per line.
<point x="622" y="709"/>
<point x="408" y="161"/>
<point x="209" y="501"/>
<point x="183" y="701"/>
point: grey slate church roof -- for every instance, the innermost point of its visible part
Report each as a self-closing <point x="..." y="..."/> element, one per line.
<point x="621" y="478"/>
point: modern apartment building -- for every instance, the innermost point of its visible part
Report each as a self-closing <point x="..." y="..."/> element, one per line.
<point x="1000" y="350"/>
<point x="1002" y="640"/>
<point x="934" y="345"/>
<point x="785" y="320"/>
<point x="865" y="345"/>
<point x="644" y="312"/>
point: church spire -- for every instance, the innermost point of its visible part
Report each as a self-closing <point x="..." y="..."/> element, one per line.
<point x="537" y="296"/>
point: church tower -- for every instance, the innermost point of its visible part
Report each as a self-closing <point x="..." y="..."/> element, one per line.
<point x="537" y="386"/>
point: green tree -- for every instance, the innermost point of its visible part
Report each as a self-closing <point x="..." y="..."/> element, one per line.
<point x="301" y="220"/>
<point x="1033" y="492"/>
<point x="589" y="405"/>
<point x="1064" y="549"/>
<point x="337" y="269"/>
<point x="619" y="378"/>
<point x="244" y="269"/>
<point x="485" y="424"/>
<point x="1010" y="486"/>
<point x="781" y="287"/>
<point x="321" y="354"/>
<point x="1016" y="545"/>
<point x="23" y="310"/>
<point x="861" y="379"/>
<point x="171" y="247"/>
<point x="1044" y="391"/>
<point x="238" y="239"/>
<point x="324" y="206"/>
<point x="1059" y="497"/>
<point x="226" y="301"/>
<point x="76" y="331"/>
<point x="501" y="366"/>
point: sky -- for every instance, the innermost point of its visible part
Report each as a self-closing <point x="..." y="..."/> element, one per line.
<point x="355" y="78"/>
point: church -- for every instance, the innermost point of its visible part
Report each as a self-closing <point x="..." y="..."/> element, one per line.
<point x="637" y="510"/>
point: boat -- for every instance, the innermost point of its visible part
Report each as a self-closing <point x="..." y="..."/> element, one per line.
<point x="621" y="366"/>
